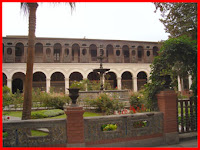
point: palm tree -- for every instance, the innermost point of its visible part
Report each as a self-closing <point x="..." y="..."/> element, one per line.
<point x="30" y="9"/>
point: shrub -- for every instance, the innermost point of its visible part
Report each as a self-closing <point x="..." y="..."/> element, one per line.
<point x="18" y="98"/>
<point x="46" y="113"/>
<point x="56" y="102"/>
<point x="6" y="90"/>
<point x="106" y="104"/>
<point x="79" y="84"/>
<point x="7" y="96"/>
<point x="136" y="100"/>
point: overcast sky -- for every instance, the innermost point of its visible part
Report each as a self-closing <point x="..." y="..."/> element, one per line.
<point x="117" y="21"/>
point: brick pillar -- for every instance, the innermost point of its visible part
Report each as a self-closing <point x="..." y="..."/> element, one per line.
<point x="75" y="127"/>
<point x="167" y="103"/>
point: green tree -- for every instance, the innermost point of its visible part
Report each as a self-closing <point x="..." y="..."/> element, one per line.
<point x="179" y="18"/>
<point x="175" y="51"/>
<point x="30" y="9"/>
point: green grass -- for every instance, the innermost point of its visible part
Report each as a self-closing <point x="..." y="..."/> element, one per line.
<point x="38" y="133"/>
<point x="13" y="113"/>
<point x="19" y="114"/>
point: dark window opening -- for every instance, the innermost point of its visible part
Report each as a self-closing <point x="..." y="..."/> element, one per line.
<point x="148" y="53"/>
<point x="9" y="51"/>
<point x="84" y="51"/>
<point x="118" y="52"/>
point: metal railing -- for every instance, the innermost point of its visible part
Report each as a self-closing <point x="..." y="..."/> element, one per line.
<point x="187" y="119"/>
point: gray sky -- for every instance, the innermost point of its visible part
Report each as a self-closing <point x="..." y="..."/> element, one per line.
<point x="117" y="21"/>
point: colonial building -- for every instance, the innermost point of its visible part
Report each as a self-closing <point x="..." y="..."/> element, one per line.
<point x="59" y="61"/>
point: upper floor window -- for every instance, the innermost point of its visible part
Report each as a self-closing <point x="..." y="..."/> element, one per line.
<point x="66" y="51"/>
<point x="48" y="52"/>
<point x="140" y="51"/>
<point x="19" y="49"/>
<point x="93" y="52"/>
<point x="38" y="49"/>
<point x="84" y="51"/>
<point x="118" y="52"/>
<point x="9" y="51"/>
<point x="155" y="51"/>
<point x="57" y="52"/>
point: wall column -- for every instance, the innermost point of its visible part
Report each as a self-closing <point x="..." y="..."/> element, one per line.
<point x="135" y="84"/>
<point x="179" y="84"/>
<point x="66" y="85"/>
<point x="119" y="83"/>
<point x="48" y="85"/>
<point x="167" y="103"/>
<point x="75" y="127"/>
<point x="9" y="83"/>
<point x="190" y="81"/>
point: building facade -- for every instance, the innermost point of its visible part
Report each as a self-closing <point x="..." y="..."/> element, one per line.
<point x="59" y="61"/>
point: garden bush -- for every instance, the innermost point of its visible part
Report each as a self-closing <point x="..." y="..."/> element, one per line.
<point x="39" y="99"/>
<point x="136" y="99"/>
<point x="9" y="98"/>
<point x="56" y="101"/>
<point x="106" y="104"/>
<point x="46" y="113"/>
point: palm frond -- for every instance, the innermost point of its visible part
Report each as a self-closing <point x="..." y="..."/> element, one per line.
<point x="24" y="8"/>
<point x="71" y="4"/>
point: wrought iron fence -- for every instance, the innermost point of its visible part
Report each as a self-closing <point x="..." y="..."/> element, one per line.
<point x="187" y="115"/>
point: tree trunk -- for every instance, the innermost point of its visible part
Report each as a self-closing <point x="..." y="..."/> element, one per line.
<point x="26" y="114"/>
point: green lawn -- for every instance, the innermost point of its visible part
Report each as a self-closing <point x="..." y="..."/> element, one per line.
<point x="19" y="114"/>
<point x="38" y="133"/>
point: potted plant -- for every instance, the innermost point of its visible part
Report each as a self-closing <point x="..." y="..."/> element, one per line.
<point x="74" y="91"/>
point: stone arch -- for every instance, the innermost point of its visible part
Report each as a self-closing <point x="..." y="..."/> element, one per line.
<point x="140" y="52"/>
<point x="38" y="52"/>
<point x="19" y="52"/>
<point x="110" y="53"/>
<point x="57" y="82"/>
<point x="127" y="80"/>
<point x="94" y="79"/>
<point x="4" y="79"/>
<point x="39" y="81"/>
<point x="111" y="78"/>
<point x="93" y="76"/>
<point x="75" y="53"/>
<point x="126" y="53"/>
<point x="57" y="51"/>
<point x="93" y="52"/>
<point x="18" y="80"/>
<point x="75" y="76"/>
<point x="141" y="79"/>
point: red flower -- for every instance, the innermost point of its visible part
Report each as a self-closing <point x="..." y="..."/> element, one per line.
<point x="134" y="111"/>
<point x="8" y="117"/>
<point x="138" y="109"/>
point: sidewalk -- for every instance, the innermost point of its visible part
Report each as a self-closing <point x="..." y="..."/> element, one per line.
<point x="186" y="140"/>
<point x="187" y="143"/>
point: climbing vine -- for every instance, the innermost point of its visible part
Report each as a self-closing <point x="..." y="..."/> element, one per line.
<point x="177" y="57"/>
